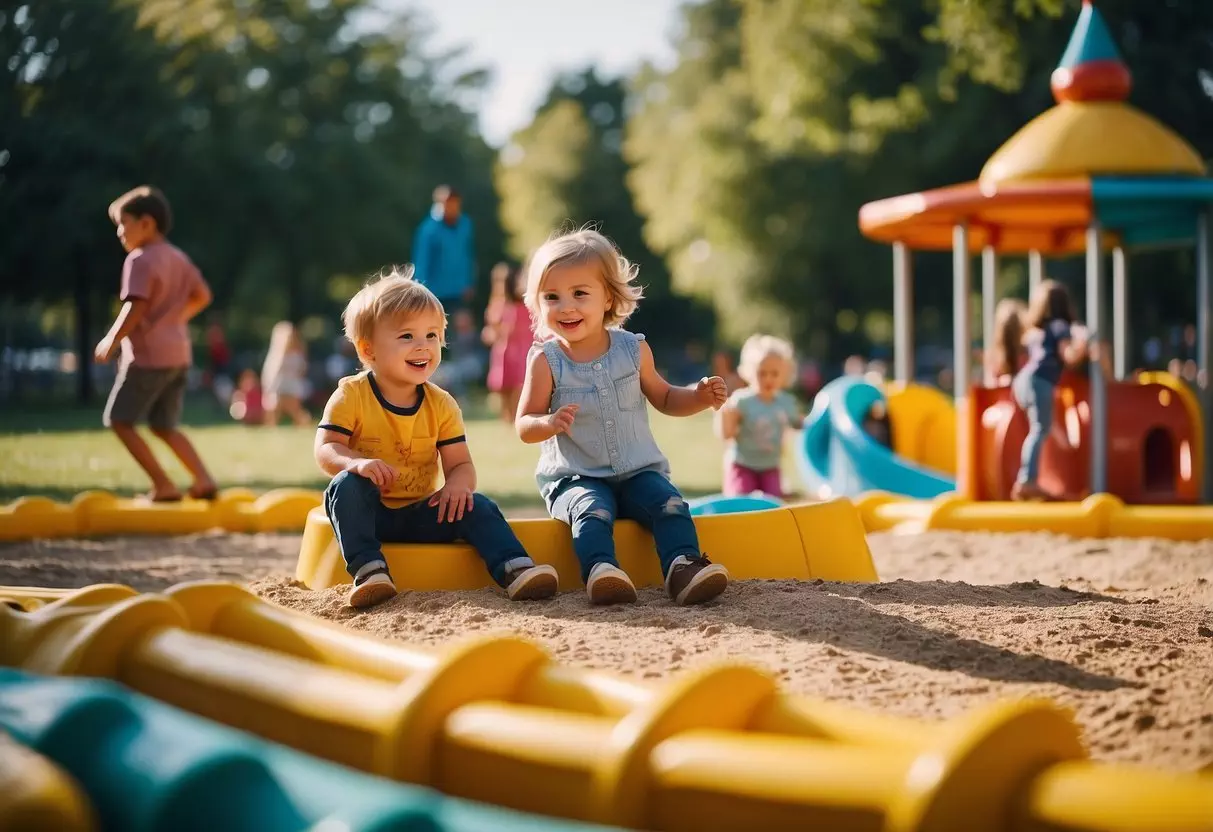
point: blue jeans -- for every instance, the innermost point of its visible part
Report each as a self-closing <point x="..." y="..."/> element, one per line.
<point x="591" y="505"/>
<point x="361" y="522"/>
<point x="1035" y="395"/>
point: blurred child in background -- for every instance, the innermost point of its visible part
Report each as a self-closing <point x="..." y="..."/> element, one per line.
<point x="509" y="332"/>
<point x="162" y="291"/>
<point x="755" y="418"/>
<point x="1051" y="347"/>
<point x="246" y="405"/>
<point x="284" y="381"/>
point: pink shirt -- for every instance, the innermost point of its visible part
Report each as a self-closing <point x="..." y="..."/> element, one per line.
<point x="164" y="276"/>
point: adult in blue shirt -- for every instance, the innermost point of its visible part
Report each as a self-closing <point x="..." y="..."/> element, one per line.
<point x="443" y="259"/>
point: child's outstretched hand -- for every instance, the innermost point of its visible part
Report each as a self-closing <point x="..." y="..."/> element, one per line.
<point x="375" y="470"/>
<point x="712" y="392"/>
<point x="562" y="419"/>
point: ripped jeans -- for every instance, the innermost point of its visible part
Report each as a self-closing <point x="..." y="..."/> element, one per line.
<point x="590" y="506"/>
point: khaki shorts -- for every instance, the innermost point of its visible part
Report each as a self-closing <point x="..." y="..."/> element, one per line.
<point x="156" y="394"/>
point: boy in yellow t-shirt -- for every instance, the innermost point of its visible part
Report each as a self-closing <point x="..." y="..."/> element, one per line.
<point x="383" y="437"/>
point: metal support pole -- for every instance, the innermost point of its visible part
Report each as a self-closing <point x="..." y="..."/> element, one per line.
<point x="903" y="314"/>
<point x="1204" y="344"/>
<point x="962" y="290"/>
<point x="1036" y="271"/>
<point x="989" y="298"/>
<point x="1099" y="389"/>
<point x="1120" y="314"/>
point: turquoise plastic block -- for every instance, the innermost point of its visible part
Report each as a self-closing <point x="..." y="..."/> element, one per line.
<point x="149" y="767"/>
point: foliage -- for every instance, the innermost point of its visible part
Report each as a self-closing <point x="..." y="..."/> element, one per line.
<point x="566" y="170"/>
<point x="298" y="141"/>
<point x="751" y="156"/>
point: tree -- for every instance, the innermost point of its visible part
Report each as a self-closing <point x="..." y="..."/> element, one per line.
<point x="566" y="170"/>
<point x="298" y="144"/>
<point x="751" y="157"/>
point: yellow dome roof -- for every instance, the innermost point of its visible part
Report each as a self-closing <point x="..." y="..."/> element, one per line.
<point x="1084" y="138"/>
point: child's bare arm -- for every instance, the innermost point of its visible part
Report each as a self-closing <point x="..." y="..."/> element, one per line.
<point x="1073" y="352"/>
<point x="129" y="316"/>
<point x="334" y="455"/>
<point x="200" y="298"/>
<point x="678" y="401"/>
<point x="533" y="422"/>
<point x="728" y="421"/>
<point x="457" y="464"/>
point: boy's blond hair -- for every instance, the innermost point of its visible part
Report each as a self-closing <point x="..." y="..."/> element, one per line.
<point x="758" y="348"/>
<point x="575" y="248"/>
<point x="391" y="296"/>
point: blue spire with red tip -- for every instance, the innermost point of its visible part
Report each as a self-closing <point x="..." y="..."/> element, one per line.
<point x="1091" y="68"/>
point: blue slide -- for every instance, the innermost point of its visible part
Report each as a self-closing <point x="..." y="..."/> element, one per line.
<point x="837" y="458"/>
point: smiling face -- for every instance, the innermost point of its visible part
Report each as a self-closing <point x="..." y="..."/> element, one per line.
<point x="574" y="301"/>
<point x="406" y="350"/>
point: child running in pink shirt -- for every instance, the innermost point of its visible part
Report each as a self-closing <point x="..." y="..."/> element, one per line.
<point x="162" y="290"/>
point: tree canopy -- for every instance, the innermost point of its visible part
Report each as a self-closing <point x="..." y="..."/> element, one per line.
<point x="299" y="141"/>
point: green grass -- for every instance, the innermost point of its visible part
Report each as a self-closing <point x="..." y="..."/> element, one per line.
<point x="69" y="452"/>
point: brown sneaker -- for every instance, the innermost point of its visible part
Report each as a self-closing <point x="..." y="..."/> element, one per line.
<point x="693" y="580"/>
<point x="532" y="583"/>
<point x="372" y="586"/>
<point x="608" y="584"/>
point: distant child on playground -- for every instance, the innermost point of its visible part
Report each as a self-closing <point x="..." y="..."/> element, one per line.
<point x="395" y="447"/>
<point x="584" y="399"/>
<point x="508" y="331"/>
<point x="755" y="418"/>
<point x="162" y="290"/>
<point x="1050" y="348"/>
<point x="1009" y="355"/>
<point x="284" y="382"/>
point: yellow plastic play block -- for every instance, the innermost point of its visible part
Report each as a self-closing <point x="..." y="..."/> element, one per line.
<point x="495" y="719"/>
<point x="802" y="542"/>
<point x="38" y="796"/>
<point x="1100" y="515"/>
<point x="101" y="513"/>
<point x="36" y="517"/>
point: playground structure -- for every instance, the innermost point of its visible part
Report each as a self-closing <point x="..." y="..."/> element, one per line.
<point x="804" y="542"/>
<point x="361" y="733"/>
<point x="494" y="720"/>
<point x="1057" y="188"/>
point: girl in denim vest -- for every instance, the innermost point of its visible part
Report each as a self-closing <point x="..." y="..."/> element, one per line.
<point x="584" y="399"/>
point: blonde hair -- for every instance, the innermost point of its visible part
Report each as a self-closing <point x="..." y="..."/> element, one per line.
<point x="758" y="348"/>
<point x="575" y="248"/>
<point x="389" y="297"/>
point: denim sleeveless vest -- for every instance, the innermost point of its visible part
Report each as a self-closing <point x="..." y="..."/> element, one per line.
<point x="610" y="436"/>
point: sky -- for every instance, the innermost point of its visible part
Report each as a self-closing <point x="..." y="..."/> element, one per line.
<point x="526" y="42"/>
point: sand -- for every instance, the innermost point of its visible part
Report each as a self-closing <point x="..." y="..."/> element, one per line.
<point x="1118" y="630"/>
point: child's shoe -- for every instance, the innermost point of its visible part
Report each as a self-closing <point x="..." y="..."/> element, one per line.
<point x="372" y="585"/>
<point x="693" y="580"/>
<point x="532" y="583"/>
<point x="608" y="584"/>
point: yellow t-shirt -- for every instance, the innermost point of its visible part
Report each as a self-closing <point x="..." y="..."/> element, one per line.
<point x="407" y="438"/>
